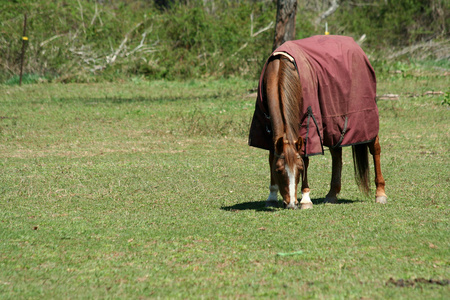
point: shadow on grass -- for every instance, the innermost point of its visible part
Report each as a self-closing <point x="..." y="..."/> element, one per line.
<point x="132" y="99"/>
<point x="261" y="205"/>
<point x="254" y="205"/>
<point x="118" y="100"/>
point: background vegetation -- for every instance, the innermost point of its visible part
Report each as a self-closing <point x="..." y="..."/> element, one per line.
<point x="84" y="41"/>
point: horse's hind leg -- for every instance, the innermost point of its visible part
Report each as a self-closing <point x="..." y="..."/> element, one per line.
<point x="336" y="171"/>
<point x="272" y="200"/>
<point x="375" y="150"/>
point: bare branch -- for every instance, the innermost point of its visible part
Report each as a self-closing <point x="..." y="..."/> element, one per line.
<point x="93" y="61"/>
<point x="110" y="59"/>
<point x="362" y="4"/>
<point x="51" y="39"/>
<point x="96" y="14"/>
<point x="270" y="26"/>
<point x="423" y="48"/>
<point x="240" y="49"/>
<point x="251" y="24"/>
<point x="141" y="46"/>
<point x="82" y="18"/>
<point x="334" y="6"/>
<point x="361" y="39"/>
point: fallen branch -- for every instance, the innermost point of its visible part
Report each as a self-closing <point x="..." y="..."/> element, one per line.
<point x="412" y="49"/>
<point x="251" y="95"/>
<point x="96" y="62"/>
<point x="433" y="93"/>
<point x="110" y="59"/>
<point x="141" y="45"/>
<point x="388" y="97"/>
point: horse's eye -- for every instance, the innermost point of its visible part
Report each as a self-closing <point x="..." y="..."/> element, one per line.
<point x="279" y="169"/>
<point x="279" y="166"/>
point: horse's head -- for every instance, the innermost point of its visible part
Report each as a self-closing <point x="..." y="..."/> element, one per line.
<point x="287" y="166"/>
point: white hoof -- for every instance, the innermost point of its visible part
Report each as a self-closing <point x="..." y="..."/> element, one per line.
<point x="306" y="205"/>
<point x="381" y="199"/>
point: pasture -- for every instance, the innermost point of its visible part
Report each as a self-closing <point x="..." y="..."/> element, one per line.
<point x="149" y="190"/>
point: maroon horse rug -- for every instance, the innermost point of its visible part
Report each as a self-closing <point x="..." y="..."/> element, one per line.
<point x="339" y="90"/>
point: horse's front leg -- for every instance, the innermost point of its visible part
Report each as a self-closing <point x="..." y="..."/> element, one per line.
<point x="336" y="171"/>
<point x="272" y="200"/>
<point x="375" y="150"/>
<point x="306" y="202"/>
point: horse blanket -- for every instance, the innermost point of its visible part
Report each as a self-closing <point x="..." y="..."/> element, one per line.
<point x="339" y="91"/>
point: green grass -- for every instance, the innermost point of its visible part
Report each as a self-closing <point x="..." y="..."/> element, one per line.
<point x="149" y="190"/>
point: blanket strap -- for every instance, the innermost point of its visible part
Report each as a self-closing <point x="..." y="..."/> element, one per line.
<point x="310" y="114"/>
<point x="342" y="134"/>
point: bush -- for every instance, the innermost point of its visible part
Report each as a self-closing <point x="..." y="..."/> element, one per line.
<point x="105" y="40"/>
<point x="394" y="23"/>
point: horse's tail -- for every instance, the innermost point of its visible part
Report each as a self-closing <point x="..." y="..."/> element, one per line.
<point x="361" y="165"/>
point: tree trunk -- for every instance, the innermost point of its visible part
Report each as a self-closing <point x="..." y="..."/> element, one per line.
<point x="285" y="22"/>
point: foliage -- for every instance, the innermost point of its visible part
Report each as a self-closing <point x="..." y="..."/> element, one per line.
<point x="446" y="100"/>
<point x="88" y="41"/>
<point x="147" y="189"/>
<point x="394" y="23"/>
<point x="72" y="39"/>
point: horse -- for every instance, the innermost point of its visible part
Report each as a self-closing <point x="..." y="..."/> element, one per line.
<point x="315" y="92"/>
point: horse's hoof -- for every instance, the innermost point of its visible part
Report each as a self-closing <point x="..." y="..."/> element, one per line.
<point x="272" y="203"/>
<point x="381" y="199"/>
<point x="332" y="200"/>
<point x="290" y="206"/>
<point x="308" y="205"/>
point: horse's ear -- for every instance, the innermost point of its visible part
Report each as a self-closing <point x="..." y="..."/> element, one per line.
<point x="299" y="144"/>
<point x="279" y="145"/>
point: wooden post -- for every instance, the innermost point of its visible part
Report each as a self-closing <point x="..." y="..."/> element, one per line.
<point x="24" y="42"/>
<point x="285" y="22"/>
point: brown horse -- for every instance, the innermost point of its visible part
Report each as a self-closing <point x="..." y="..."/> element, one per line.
<point x="283" y="125"/>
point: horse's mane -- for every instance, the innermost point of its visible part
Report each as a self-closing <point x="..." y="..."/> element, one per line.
<point x="290" y="92"/>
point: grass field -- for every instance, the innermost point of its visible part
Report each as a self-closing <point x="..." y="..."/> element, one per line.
<point x="149" y="190"/>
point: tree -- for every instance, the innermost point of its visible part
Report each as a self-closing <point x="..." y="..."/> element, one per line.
<point x="285" y="22"/>
<point x="163" y="4"/>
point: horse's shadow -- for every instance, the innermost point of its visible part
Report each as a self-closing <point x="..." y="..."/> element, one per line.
<point x="261" y="205"/>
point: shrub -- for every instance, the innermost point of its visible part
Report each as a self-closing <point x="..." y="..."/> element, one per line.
<point x="105" y="40"/>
